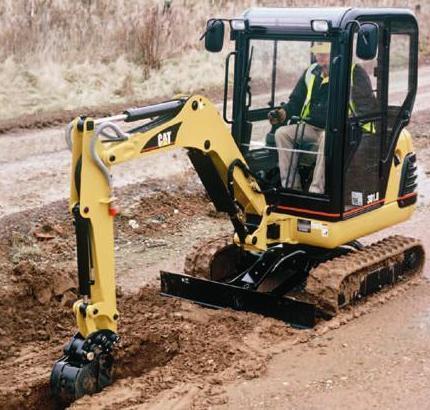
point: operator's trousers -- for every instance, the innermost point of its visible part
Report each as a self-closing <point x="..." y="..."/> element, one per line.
<point x="285" y="138"/>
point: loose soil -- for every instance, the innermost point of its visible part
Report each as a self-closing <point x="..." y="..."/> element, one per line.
<point x="169" y="347"/>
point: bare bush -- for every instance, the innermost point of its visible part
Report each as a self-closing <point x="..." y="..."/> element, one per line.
<point x="150" y="36"/>
<point x="144" y="30"/>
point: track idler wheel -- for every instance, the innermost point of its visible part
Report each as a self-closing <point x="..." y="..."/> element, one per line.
<point x="85" y="368"/>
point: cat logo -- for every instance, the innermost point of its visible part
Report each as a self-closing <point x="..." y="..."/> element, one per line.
<point x="164" y="138"/>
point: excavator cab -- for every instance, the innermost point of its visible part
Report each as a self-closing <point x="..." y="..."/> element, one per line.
<point x="299" y="195"/>
<point x="272" y="51"/>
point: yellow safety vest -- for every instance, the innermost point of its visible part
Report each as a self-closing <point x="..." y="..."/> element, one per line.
<point x="310" y="81"/>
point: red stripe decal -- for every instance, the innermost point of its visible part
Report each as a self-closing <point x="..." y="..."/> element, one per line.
<point x="336" y="215"/>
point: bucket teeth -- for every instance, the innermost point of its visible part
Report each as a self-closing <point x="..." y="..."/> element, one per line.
<point x="85" y="368"/>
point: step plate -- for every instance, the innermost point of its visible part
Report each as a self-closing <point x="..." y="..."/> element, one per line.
<point x="222" y="295"/>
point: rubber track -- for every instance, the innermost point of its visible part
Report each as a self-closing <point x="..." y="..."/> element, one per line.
<point x="199" y="259"/>
<point x="344" y="275"/>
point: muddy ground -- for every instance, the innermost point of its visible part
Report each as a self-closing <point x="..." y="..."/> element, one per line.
<point x="176" y="355"/>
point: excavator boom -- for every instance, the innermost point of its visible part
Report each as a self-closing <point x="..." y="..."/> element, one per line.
<point x="96" y="146"/>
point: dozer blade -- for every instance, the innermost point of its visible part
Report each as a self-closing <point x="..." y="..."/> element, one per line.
<point x="222" y="295"/>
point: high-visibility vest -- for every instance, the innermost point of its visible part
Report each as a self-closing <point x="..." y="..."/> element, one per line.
<point x="310" y="81"/>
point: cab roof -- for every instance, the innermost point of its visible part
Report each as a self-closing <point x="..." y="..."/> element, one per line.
<point x="299" y="19"/>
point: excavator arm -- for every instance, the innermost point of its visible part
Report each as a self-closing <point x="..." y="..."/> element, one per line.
<point x="98" y="145"/>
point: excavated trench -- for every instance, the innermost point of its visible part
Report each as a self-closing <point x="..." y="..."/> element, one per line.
<point x="138" y="353"/>
<point x="163" y="340"/>
<point x="37" y="289"/>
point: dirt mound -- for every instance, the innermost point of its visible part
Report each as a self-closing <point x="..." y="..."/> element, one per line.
<point x="37" y="278"/>
<point x="162" y="210"/>
<point x="35" y="306"/>
<point x="42" y="284"/>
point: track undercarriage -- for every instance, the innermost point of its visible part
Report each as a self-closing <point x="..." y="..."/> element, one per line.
<point x="294" y="284"/>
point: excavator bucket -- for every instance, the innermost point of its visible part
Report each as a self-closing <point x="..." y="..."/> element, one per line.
<point x="223" y="295"/>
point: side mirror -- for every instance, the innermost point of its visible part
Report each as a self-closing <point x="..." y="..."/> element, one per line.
<point x="214" y="37"/>
<point x="367" y="41"/>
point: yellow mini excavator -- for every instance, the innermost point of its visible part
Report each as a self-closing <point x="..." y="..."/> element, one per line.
<point x="294" y="253"/>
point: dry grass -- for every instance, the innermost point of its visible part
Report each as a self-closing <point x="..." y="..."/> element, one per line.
<point x="63" y="54"/>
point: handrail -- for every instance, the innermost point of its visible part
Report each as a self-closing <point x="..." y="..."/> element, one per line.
<point x="226" y="76"/>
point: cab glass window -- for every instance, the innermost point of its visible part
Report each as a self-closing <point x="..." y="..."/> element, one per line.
<point x="401" y="76"/>
<point x="364" y="132"/>
<point x="288" y="151"/>
<point x="398" y="86"/>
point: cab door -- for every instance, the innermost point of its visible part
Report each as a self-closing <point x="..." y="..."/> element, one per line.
<point x="402" y="86"/>
<point x="365" y="129"/>
<point x="375" y="119"/>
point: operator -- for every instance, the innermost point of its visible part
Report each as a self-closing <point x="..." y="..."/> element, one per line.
<point x="309" y="101"/>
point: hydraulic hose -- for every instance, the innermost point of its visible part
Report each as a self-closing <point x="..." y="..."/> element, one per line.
<point x="120" y="135"/>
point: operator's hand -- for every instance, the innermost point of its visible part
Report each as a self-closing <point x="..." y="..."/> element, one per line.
<point x="277" y="116"/>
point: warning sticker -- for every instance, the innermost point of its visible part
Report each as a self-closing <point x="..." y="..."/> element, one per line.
<point x="303" y="225"/>
<point x="324" y="231"/>
<point x="318" y="226"/>
<point x="357" y="198"/>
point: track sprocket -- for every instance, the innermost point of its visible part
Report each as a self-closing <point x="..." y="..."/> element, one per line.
<point x="214" y="259"/>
